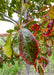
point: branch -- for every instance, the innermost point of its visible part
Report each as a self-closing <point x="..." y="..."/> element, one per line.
<point x="3" y="19"/>
<point x="8" y="17"/>
<point x="16" y="11"/>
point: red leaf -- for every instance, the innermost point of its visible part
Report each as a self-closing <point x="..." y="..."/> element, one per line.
<point x="44" y="61"/>
<point x="28" y="47"/>
<point x="49" y="29"/>
<point x="35" y="28"/>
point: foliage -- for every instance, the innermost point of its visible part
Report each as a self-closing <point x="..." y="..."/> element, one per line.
<point x="9" y="69"/>
<point x="27" y="30"/>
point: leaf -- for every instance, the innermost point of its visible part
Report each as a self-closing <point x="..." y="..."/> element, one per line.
<point x="49" y="51"/>
<point x="35" y="28"/>
<point x="1" y="65"/>
<point x="7" y="47"/>
<point x="10" y="31"/>
<point x="40" y="70"/>
<point x="42" y="47"/>
<point x="49" y="43"/>
<point x="51" y="13"/>
<point x="28" y="47"/>
<point x="49" y="29"/>
<point x="44" y="61"/>
<point x="26" y="6"/>
<point x="15" y="44"/>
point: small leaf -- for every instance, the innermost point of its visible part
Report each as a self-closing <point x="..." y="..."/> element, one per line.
<point x="51" y="13"/>
<point x="26" y="6"/>
<point x="10" y="31"/>
<point x="49" y="51"/>
<point x="44" y="61"/>
<point x="49" y="43"/>
<point x="49" y="29"/>
<point x="28" y="47"/>
<point x="15" y="28"/>
<point x="35" y="28"/>
<point x="40" y="70"/>
<point x="7" y="47"/>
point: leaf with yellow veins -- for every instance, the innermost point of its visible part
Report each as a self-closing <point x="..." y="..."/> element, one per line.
<point x="7" y="47"/>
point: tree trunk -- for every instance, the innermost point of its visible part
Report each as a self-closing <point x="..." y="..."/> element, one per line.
<point x="27" y="69"/>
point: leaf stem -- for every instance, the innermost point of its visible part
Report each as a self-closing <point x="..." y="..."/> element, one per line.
<point x="21" y="14"/>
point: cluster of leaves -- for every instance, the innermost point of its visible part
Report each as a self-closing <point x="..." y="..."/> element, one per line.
<point x="28" y="32"/>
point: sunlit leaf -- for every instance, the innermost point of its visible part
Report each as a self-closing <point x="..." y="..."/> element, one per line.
<point x="26" y="6"/>
<point x="7" y="47"/>
<point x="51" y="13"/>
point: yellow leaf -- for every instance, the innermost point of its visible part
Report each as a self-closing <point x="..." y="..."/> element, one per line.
<point x="7" y="47"/>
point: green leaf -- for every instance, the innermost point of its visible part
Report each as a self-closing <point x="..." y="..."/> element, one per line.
<point x="1" y="65"/>
<point x="7" y="47"/>
<point x="28" y="47"/>
<point x="15" y="44"/>
<point x="10" y="31"/>
<point x="15" y="28"/>
<point x="26" y="6"/>
<point x="40" y="70"/>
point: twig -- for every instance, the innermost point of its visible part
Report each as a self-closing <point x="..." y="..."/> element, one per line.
<point x="16" y="11"/>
